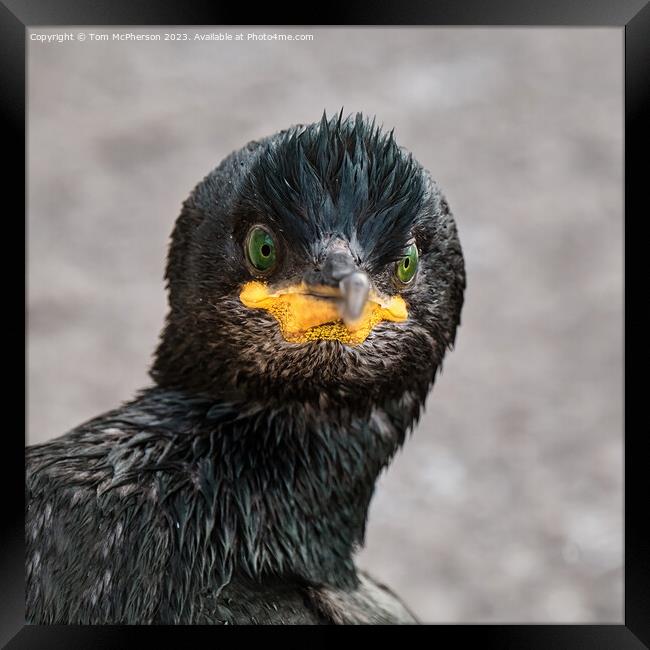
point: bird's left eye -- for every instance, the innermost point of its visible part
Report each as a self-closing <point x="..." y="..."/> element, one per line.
<point x="406" y="268"/>
<point x="260" y="249"/>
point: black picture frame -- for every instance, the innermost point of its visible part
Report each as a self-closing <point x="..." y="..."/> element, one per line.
<point x="632" y="16"/>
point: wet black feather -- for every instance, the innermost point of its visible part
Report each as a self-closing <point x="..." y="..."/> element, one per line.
<point x="236" y="488"/>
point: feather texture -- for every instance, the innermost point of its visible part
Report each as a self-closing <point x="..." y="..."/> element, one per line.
<point x="236" y="488"/>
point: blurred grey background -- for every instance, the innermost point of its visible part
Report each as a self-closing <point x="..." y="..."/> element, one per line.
<point x="506" y="504"/>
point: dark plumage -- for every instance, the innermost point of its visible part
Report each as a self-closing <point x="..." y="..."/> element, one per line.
<point x="236" y="488"/>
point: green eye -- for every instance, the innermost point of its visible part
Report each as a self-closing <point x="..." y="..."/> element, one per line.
<point x="406" y="268"/>
<point x="260" y="248"/>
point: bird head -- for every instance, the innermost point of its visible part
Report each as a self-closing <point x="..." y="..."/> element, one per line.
<point x="322" y="262"/>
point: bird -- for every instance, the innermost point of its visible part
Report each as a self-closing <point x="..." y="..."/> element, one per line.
<point x="315" y="282"/>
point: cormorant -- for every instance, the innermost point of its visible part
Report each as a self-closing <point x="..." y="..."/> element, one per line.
<point x="315" y="281"/>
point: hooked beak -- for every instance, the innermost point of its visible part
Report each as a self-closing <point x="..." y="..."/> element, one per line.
<point x="340" y="275"/>
<point x="335" y="302"/>
<point x="355" y="289"/>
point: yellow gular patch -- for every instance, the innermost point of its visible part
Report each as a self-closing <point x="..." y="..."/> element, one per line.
<point x="304" y="317"/>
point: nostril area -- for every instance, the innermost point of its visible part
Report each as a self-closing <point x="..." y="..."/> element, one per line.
<point x="318" y="278"/>
<point x="338" y="265"/>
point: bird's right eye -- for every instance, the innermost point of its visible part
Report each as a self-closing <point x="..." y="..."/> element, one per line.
<point x="261" y="249"/>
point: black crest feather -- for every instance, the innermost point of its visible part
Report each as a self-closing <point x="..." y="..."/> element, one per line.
<point x="343" y="177"/>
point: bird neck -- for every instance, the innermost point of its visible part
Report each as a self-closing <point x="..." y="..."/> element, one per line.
<point x="284" y="487"/>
